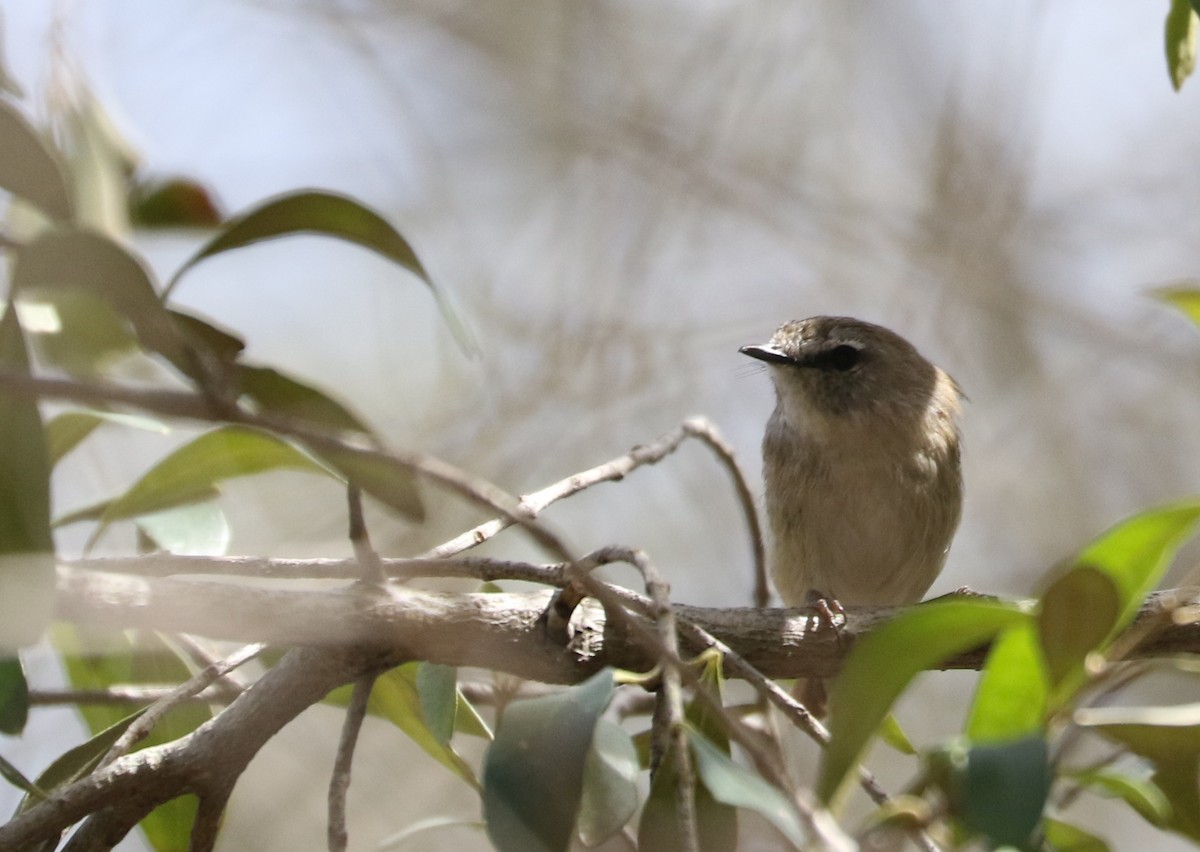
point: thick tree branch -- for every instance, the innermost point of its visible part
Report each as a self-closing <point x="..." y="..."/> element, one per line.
<point x="500" y="632"/>
<point x="206" y="762"/>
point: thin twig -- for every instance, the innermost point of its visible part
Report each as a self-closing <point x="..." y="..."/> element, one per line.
<point x="615" y="470"/>
<point x="262" y="568"/>
<point x="339" y="781"/>
<point x="704" y="430"/>
<point x="141" y="727"/>
<point x="370" y="569"/>
<point x="229" y="686"/>
<point x="121" y="695"/>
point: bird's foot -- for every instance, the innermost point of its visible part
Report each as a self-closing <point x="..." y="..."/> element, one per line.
<point x="828" y="612"/>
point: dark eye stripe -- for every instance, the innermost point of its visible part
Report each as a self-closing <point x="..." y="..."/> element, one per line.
<point x="840" y="358"/>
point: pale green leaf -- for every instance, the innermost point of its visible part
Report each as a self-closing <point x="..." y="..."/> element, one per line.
<point x="26" y="546"/>
<point x="1010" y="701"/>
<point x="610" y="795"/>
<point x="887" y="659"/>
<point x="30" y="168"/>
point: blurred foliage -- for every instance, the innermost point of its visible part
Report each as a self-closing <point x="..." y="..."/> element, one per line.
<point x="81" y="302"/>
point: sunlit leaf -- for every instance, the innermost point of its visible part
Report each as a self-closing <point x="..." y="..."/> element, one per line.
<point x="1067" y="837"/>
<point x="69" y="429"/>
<point x="78" y="261"/>
<point x="533" y="773"/>
<point x="76" y="331"/>
<point x="1185" y="297"/>
<point x="1135" y="789"/>
<point x="190" y="472"/>
<point x="1170" y="738"/>
<point x="610" y="795"/>
<point x="1136" y="552"/>
<point x="891" y="733"/>
<point x="886" y="659"/>
<point x="1182" y="26"/>
<point x="396" y="698"/>
<point x="14" y="696"/>
<point x="26" y="546"/>
<point x="197" y="529"/>
<point x="1010" y="701"/>
<point x="30" y="168"/>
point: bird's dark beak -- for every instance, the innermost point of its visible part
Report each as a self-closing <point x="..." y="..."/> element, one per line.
<point x="767" y="353"/>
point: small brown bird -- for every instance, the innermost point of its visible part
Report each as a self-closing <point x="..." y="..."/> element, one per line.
<point x="861" y="462"/>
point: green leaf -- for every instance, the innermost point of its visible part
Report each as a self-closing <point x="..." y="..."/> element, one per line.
<point x="384" y="478"/>
<point x="659" y="826"/>
<point x="76" y="331"/>
<point x="14" y="696"/>
<point x="1183" y="22"/>
<point x="1135" y="789"/>
<point x="190" y="473"/>
<point x="275" y="393"/>
<point x="1077" y="613"/>
<point x="15" y="777"/>
<point x="396" y="698"/>
<point x="1136" y="552"/>
<point x="223" y="346"/>
<point x="69" y="429"/>
<point x="26" y="546"/>
<point x="892" y="734"/>
<point x="437" y="687"/>
<point x="1170" y="738"/>
<point x="326" y="214"/>
<point x="1184" y="297"/>
<point x="128" y="658"/>
<point x="1010" y="701"/>
<point x="197" y="529"/>
<point x="77" y="762"/>
<point x="885" y="660"/>
<point x="1005" y="790"/>
<point x="533" y="773"/>
<point x="76" y="261"/>
<point x="698" y="713"/>
<point x="311" y="212"/>
<point x="1066" y="837"/>
<point x="610" y="795"/>
<point x="738" y="787"/>
<point x="467" y="719"/>
<point x="30" y="168"/>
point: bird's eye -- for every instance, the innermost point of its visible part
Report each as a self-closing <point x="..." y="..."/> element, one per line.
<point x="840" y="358"/>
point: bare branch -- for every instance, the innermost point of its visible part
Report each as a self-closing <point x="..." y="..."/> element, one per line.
<point x="141" y="727"/>
<point x="339" y="781"/>
<point x="123" y="792"/>
<point x="615" y="470"/>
